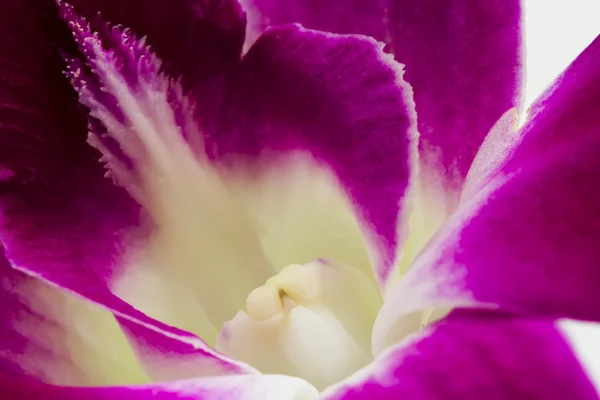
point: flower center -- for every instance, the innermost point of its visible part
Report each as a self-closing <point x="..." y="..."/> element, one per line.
<point x="313" y="321"/>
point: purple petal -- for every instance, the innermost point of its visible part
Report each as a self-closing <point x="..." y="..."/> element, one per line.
<point x="463" y="60"/>
<point x="477" y="355"/>
<point x="341" y="101"/>
<point x="62" y="221"/>
<point x="235" y="388"/>
<point x="53" y="336"/>
<point x="527" y="241"/>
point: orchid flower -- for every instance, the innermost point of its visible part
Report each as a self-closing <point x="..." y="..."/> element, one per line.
<point x="341" y="210"/>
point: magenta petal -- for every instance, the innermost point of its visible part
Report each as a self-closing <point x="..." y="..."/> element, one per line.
<point x="464" y="61"/>
<point x="62" y="221"/>
<point x="476" y="355"/>
<point x="342" y="101"/>
<point x="59" y="212"/>
<point x="243" y="387"/>
<point x="50" y="335"/>
<point x="61" y="218"/>
<point x="527" y="242"/>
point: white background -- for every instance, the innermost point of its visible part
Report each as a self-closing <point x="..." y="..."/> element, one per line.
<point x="556" y="31"/>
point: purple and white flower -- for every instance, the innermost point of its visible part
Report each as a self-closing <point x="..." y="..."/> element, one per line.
<point x="342" y="209"/>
